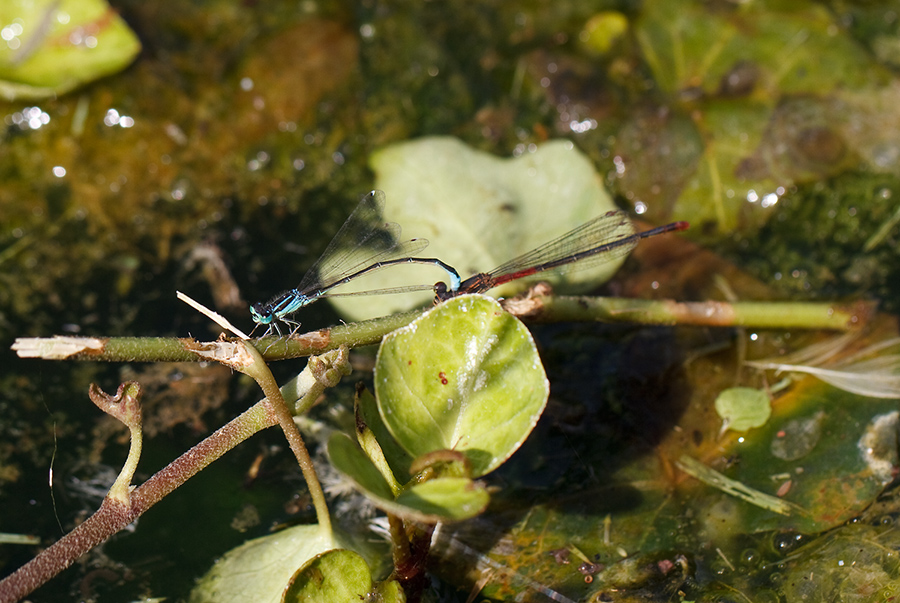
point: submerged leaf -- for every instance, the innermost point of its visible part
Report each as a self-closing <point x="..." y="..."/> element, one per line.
<point x="743" y="408"/>
<point x="338" y="575"/>
<point x="260" y="569"/>
<point x="855" y="562"/>
<point x="713" y="478"/>
<point x="479" y="210"/>
<point x="778" y="98"/>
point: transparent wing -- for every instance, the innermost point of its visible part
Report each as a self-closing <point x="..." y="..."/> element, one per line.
<point x="597" y="241"/>
<point x="363" y="240"/>
<point x="385" y="291"/>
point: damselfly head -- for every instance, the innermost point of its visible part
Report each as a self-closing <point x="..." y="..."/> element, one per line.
<point x="440" y="292"/>
<point x="260" y="314"/>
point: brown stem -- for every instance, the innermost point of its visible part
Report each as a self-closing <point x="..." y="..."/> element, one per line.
<point x="113" y="516"/>
<point x="263" y="376"/>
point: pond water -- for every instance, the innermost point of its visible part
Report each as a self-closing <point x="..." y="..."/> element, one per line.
<point x="224" y="157"/>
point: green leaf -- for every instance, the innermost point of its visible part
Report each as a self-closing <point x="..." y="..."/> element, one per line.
<point x="478" y="211"/>
<point x="783" y="97"/>
<point x="53" y="46"/>
<point x="260" y="569"/>
<point x="338" y="576"/>
<point x="334" y="576"/>
<point x="453" y="498"/>
<point x="389" y="591"/>
<point x="441" y="499"/>
<point x="872" y="575"/>
<point x="743" y="408"/>
<point x="350" y="460"/>
<point x="603" y="31"/>
<point x="793" y="48"/>
<point x="465" y="376"/>
<point x="369" y="424"/>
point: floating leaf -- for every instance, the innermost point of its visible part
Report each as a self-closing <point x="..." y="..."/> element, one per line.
<point x="259" y="570"/>
<point x="50" y="47"/>
<point x="339" y="575"/>
<point x="743" y="408"/>
<point x="479" y="210"/>
<point x="465" y="376"/>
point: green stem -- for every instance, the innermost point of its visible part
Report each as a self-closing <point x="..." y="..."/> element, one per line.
<point x="259" y="370"/>
<point x="759" y="315"/>
<point x="126" y="407"/>
<point x="536" y="308"/>
<point x="173" y="349"/>
<point x="352" y="335"/>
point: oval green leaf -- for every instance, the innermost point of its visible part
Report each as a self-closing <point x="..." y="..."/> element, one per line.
<point x="603" y="31"/>
<point x="338" y="575"/>
<point x="389" y="591"/>
<point x="743" y="408"/>
<point x="59" y="45"/>
<point x="478" y="211"/>
<point x="465" y="376"/>
<point x="260" y="569"/>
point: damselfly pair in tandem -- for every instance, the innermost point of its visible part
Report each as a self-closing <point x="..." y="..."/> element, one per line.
<point x="362" y="246"/>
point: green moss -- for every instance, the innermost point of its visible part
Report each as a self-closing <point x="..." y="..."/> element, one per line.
<point x="815" y="246"/>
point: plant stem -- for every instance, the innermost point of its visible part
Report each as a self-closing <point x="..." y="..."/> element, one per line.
<point x="535" y="308"/>
<point x="126" y="407"/>
<point x="173" y="349"/>
<point x="760" y="315"/>
<point x="115" y="513"/>
<point x="259" y="370"/>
